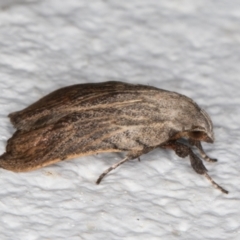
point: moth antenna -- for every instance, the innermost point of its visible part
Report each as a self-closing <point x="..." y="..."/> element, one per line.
<point x="110" y="169"/>
<point x="215" y="184"/>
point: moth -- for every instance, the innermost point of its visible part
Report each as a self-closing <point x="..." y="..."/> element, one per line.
<point x="92" y="118"/>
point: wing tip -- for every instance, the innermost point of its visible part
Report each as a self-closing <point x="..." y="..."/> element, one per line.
<point x="14" y="119"/>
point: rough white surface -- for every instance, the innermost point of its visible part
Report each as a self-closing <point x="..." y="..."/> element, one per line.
<point x="191" y="47"/>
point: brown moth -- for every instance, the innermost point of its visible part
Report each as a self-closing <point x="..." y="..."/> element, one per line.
<point x="86" y="119"/>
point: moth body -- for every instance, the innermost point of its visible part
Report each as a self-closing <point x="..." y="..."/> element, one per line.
<point x="86" y="119"/>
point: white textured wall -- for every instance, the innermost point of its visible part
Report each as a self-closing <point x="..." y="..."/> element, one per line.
<point x="192" y="47"/>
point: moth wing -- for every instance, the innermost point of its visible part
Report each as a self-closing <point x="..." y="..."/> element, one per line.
<point x="65" y="139"/>
<point x="75" y="98"/>
<point x="75" y="135"/>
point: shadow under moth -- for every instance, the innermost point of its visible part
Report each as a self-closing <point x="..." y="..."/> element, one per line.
<point x="92" y="118"/>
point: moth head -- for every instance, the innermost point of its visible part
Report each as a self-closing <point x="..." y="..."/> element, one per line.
<point x="201" y="129"/>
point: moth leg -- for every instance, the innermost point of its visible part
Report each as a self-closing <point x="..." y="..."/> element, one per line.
<point x="110" y="169"/>
<point x="215" y="184"/>
<point x="183" y="151"/>
<point x="198" y="166"/>
<point x="198" y="145"/>
<point x="130" y="156"/>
